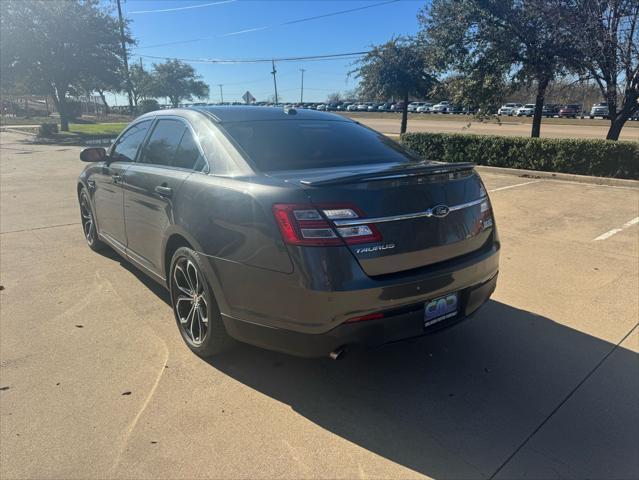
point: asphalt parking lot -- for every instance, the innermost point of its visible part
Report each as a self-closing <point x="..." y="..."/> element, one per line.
<point x="95" y="381"/>
<point x="510" y="126"/>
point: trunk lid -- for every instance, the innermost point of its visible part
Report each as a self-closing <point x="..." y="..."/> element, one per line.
<point x="426" y="213"/>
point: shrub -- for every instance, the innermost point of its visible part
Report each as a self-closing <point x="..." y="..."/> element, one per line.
<point x="148" y="105"/>
<point x="601" y="158"/>
<point x="47" y="129"/>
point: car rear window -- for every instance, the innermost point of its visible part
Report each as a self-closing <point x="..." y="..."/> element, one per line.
<point x="305" y="144"/>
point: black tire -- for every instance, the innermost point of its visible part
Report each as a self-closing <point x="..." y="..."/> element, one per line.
<point x="87" y="220"/>
<point x="197" y="315"/>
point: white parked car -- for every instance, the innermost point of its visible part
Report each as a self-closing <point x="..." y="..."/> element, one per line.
<point x="599" y="110"/>
<point x="509" y="109"/>
<point x="425" y="108"/>
<point x="441" y="107"/>
<point x="352" y="107"/>
<point x="527" y="110"/>
<point x="363" y="107"/>
<point x="321" y="107"/>
<point x="413" y="106"/>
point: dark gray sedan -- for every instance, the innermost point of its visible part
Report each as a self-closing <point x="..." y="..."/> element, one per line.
<point x="294" y="230"/>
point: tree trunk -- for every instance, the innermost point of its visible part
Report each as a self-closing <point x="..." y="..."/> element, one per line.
<point x="611" y="98"/>
<point x="539" y="105"/>
<point x="175" y="101"/>
<point x="404" y="114"/>
<point x="59" y="100"/>
<point x="107" y="110"/>
<point x="64" y="117"/>
<point x="617" y="121"/>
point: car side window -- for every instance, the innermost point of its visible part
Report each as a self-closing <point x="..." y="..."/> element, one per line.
<point x="127" y="145"/>
<point x="188" y="154"/>
<point x="163" y="142"/>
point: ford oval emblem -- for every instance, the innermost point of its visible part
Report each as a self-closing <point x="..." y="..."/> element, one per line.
<point x="440" y="211"/>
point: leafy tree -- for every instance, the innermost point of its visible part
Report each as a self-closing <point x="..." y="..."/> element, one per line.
<point x="177" y="81"/>
<point x="53" y="46"/>
<point x="607" y="35"/>
<point x="480" y="90"/>
<point x="149" y="105"/>
<point x="495" y="42"/>
<point x="394" y="69"/>
<point x="141" y="83"/>
<point x="105" y="80"/>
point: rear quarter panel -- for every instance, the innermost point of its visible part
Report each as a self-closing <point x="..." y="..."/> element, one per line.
<point x="231" y="220"/>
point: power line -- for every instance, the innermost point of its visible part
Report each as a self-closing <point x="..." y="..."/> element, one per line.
<point x="308" y="19"/>
<point x="265" y="27"/>
<point x="182" y="8"/>
<point x="333" y="56"/>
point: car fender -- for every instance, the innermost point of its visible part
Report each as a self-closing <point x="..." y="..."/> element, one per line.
<point x="210" y="271"/>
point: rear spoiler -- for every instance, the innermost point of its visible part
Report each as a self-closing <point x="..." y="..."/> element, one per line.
<point x="388" y="174"/>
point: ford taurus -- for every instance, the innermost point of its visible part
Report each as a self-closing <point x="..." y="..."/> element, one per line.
<point x="294" y="230"/>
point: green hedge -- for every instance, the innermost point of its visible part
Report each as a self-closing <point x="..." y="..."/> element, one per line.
<point x="601" y="158"/>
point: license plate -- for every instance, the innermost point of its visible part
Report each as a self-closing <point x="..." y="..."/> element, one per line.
<point x="440" y="309"/>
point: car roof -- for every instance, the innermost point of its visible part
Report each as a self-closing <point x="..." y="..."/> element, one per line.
<point x="226" y="114"/>
<point x="245" y="113"/>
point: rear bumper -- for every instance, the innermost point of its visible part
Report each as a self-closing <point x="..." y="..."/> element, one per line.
<point x="365" y="334"/>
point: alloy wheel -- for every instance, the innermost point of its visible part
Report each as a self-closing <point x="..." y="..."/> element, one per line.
<point x="87" y="218"/>
<point x="190" y="303"/>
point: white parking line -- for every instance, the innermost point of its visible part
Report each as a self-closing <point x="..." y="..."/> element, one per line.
<point x="614" y="231"/>
<point x="513" y="186"/>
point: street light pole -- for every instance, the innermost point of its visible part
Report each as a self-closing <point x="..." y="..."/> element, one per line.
<point x="302" y="91"/>
<point x="221" y="94"/>
<point x="274" y="81"/>
<point x="124" y="57"/>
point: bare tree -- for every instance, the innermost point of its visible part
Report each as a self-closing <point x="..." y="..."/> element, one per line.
<point x="607" y="34"/>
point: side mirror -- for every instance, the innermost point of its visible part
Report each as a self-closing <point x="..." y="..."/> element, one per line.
<point x="93" y="154"/>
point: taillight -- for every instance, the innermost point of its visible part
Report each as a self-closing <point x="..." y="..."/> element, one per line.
<point x="311" y="226"/>
<point x="486" y="215"/>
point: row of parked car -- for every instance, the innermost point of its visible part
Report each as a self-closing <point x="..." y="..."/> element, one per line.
<point x="572" y="110"/>
<point x="550" y="110"/>
<point x="413" y="107"/>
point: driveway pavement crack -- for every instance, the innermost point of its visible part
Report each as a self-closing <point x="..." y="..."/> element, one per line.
<point x="40" y="228"/>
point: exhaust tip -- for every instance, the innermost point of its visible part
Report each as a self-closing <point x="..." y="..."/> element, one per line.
<point x="337" y="353"/>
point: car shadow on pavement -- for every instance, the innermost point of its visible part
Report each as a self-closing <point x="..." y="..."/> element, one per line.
<point x="459" y="403"/>
<point x="161" y="292"/>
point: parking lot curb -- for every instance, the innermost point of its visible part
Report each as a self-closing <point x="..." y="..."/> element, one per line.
<point x="613" y="182"/>
<point x="14" y="130"/>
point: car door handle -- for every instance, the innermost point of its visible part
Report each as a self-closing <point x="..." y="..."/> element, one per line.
<point x="163" y="191"/>
<point x="116" y="178"/>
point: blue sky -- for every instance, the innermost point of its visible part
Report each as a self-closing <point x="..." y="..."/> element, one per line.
<point x="348" y="32"/>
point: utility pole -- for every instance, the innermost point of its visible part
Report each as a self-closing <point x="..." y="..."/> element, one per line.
<point x="126" y="62"/>
<point x="302" y="91"/>
<point x="221" y="94"/>
<point x="274" y="81"/>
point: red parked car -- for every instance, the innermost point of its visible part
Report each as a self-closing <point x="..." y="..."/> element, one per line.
<point x="570" y="111"/>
